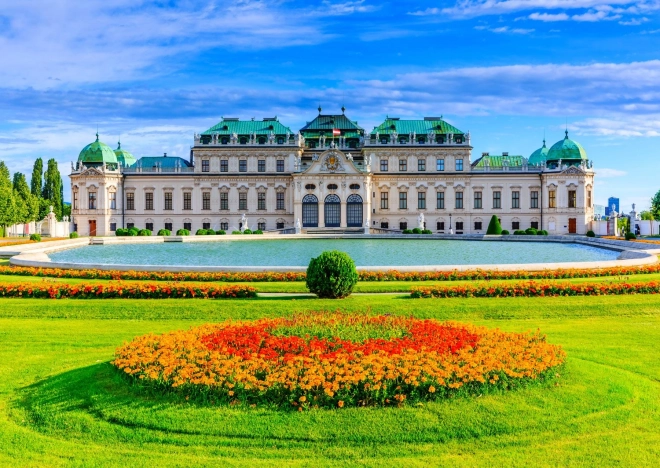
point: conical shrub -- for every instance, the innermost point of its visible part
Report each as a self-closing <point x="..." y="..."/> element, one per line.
<point x="494" y="227"/>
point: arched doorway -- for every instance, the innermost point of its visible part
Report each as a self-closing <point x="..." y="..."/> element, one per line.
<point x="332" y="211"/>
<point x="354" y="211"/>
<point x="310" y="211"/>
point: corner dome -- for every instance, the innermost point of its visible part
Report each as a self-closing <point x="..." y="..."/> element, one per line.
<point x="567" y="150"/>
<point x="125" y="158"/>
<point x="539" y="156"/>
<point x="97" y="153"/>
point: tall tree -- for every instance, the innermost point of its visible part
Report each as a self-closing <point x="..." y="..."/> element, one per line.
<point x="37" y="177"/>
<point x="53" y="187"/>
<point x="7" y="202"/>
<point x="655" y="205"/>
<point x="27" y="205"/>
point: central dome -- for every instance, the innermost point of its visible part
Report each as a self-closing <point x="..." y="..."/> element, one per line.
<point x="567" y="150"/>
<point x="97" y="153"/>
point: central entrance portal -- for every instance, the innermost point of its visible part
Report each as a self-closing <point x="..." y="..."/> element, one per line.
<point x="332" y="211"/>
<point x="310" y="211"/>
<point x="354" y="211"/>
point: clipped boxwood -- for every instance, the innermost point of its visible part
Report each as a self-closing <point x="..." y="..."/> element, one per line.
<point x="416" y="231"/>
<point x="407" y="231"/>
<point x="505" y="232"/>
<point x="630" y="236"/>
<point x="121" y="232"/>
<point x="331" y="275"/>
<point x="210" y="232"/>
<point x="35" y="237"/>
<point x="591" y="234"/>
<point x="221" y="232"/>
<point x="164" y="232"/>
<point x="518" y="232"/>
<point x="201" y="232"/>
<point x="73" y="235"/>
<point x="183" y="232"/>
<point x="427" y="231"/>
<point x="236" y="232"/>
<point x="133" y="231"/>
<point x="531" y="231"/>
<point x="247" y="231"/>
<point x="144" y="232"/>
<point x="258" y="231"/>
<point x="494" y="227"/>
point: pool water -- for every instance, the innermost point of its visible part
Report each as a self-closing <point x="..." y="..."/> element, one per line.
<point x="365" y="252"/>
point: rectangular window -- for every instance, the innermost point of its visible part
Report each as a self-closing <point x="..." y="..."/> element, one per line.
<point x="242" y="201"/>
<point x="588" y="198"/>
<point x="459" y="226"/>
<point x="440" y="201"/>
<point x="205" y="165"/>
<point x="403" y="200"/>
<point x="421" y="164"/>
<point x="280" y="165"/>
<point x="224" y="201"/>
<point x="572" y="198"/>
<point x="403" y="165"/>
<point x="384" y="201"/>
<point x="497" y="199"/>
<point x="440" y="226"/>
<point x="168" y="226"/>
<point x="242" y="165"/>
<point x="385" y="225"/>
<point x="129" y="225"/>
<point x="383" y="165"/>
<point x="552" y="199"/>
<point x="280" y="201"/>
<point x="224" y="166"/>
<point x="421" y="200"/>
<point x="261" y="165"/>
<point x="206" y="201"/>
<point x="440" y="164"/>
<point x="187" y="201"/>
<point x="168" y="201"/>
<point x="75" y="200"/>
<point x="403" y="225"/>
<point x="478" y="200"/>
<point x="535" y="224"/>
<point x="113" y="200"/>
<point x="149" y="201"/>
<point x="477" y="226"/>
<point x="459" y="165"/>
<point x="459" y="200"/>
<point x="187" y="226"/>
<point x="206" y="225"/>
<point x="261" y="201"/>
<point x="261" y="226"/>
<point x="534" y="199"/>
<point x="279" y="225"/>
<point x="224" y="226"/>
<point x="149" y="226"/>
<point x="92" y="200"/>
<point x="515" y="225"/>
<point x="113" y="227"/>
<point x="130" y="201"/>
<point x="515" y="199"/>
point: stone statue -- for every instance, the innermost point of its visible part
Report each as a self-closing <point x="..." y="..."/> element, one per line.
<point x="244" y="223"/>
<point x="349" y="156"/>
<point x="367" y="160"/>
<point x="420" y="221"/>
<point x="298" y="226"/>
<point x="431" y="137"/>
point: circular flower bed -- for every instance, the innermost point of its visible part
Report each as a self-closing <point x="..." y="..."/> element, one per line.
<point x="337" y="360"/>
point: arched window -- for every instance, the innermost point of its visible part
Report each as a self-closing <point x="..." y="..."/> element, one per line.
<point x="310" y="187"/>
<point x="354" y="186"/>
<point x="310" y="211"/>
<point x="332" y="187"/>
<point x="354" y="211"/>
<point x="332" y="211"/>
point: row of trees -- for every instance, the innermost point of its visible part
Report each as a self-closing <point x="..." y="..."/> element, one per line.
<point x="21" y="203"/>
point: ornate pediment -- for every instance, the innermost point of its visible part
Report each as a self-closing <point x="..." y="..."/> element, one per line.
<point x="573" y="170"/>
<point x="332" y="161"/>
<point x="91" y="172"/>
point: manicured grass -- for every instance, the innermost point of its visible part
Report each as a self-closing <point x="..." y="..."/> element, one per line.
<point x="62" y="404"/>
<point x="361" y="287"/>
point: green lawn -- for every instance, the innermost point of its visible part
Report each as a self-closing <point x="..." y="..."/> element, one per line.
<point x="63" y="405"/>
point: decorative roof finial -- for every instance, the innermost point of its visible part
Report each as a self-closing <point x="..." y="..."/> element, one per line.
<point x="566" y="133"/>
<point x="343" y="109"/>
<point x="119" y="142"/>
<point x="319" y="109"/>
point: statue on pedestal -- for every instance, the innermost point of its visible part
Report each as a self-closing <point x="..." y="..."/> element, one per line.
<point x="298" y="226"/>
<point x="420" y="221"/>
<point x="244" y="223"/>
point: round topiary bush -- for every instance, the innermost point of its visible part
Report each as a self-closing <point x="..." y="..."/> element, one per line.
<point x="236" y="232"/>
<point x="183" y="232"/>
<point x="505" y="232"/>
<point x="144" y="232"/>
<point x="121" y="232"/>
<point x="545" y="233"/>
<point x="416" y="231"/>
<point x="258" y="231"/>
<point x="531" y="231"/>
<point x="247" y="231"/>
<point x="201" y="232"/>
<point x="133" y="231"/>
<point x="427" y="231"/>
<point x="210" y="232"/>
<point x="331" y="275"/>
<point x="407" y="231"/>
<point x="73" y="235"/>
<point x="220" y="232"/>
<point x="630" y="236"/>
<point x="494" y="227"/>
<point x="164" y="232"/>
<point x="518" y="232"/>
<point x="591" y="234"/>
<point x="35" y="237"/>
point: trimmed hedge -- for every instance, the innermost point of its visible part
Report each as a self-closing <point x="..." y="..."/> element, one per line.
<point x="505" y="232"/>
<point x="236" y="232"/>
<point x="494" y="227"/>
<point x="630" y="236"/>
<point x="247" y="231"/>
<point x="164" y="232"/>
<point x="591" y="234"/>
<point x="144" y="232"/>
<point x="407" y="231"/>
<point x="258" y="231"/>
<point x="331" y="275"/>
<point x="220" y="232"/>
<point x="183" y="232"/>
<point x="73" y="235"/>
<point x="35" y="237"/>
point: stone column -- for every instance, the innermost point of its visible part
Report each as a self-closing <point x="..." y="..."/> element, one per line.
<point x="344" y="218"/>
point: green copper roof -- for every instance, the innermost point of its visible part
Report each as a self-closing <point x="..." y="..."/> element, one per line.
<point x="97" y="153"/>
<point x="497" y="162"/>
<point x="420" y="127"/>
<point x="246" y="127"/>
<point x="567" y="150"/>
<point x="326" y="123"/>
<point x="124" y="157"/>
<point x="165" y="162"/>
<point x="539" y="156"/>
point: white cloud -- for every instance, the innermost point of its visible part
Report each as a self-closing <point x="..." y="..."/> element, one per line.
<point x="549" y="17"/>
<point x="505" y="29"/>
<point x="604" y="172"/>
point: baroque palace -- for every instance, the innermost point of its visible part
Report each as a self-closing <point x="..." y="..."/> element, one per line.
<point x="332" y="175"/>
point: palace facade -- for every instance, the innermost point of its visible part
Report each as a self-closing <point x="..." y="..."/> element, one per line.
<point x="332" y="175"/>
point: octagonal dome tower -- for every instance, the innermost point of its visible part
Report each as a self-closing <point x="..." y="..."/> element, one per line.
<point x="568" y="151"/>
<point x="97" y="153"/>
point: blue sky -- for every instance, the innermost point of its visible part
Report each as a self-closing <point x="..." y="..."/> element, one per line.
<point x="506" y="70"/>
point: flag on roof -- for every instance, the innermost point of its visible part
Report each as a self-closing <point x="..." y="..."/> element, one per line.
<point x="336" y="132"/>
